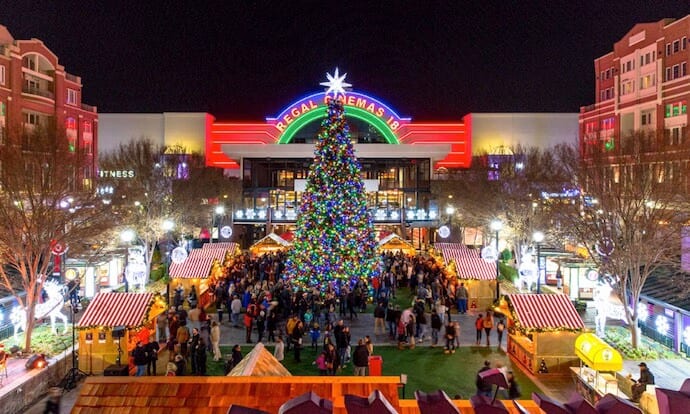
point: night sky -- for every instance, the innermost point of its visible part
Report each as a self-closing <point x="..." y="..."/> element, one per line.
<point x="244" y="60"/>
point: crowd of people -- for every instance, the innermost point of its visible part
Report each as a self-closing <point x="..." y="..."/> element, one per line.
<point x="252" y="295"/>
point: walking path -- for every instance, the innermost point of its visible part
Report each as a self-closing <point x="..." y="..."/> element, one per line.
<point x="668" y="373"/>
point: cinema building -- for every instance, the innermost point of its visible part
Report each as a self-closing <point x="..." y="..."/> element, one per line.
<point x="400" y="157"/>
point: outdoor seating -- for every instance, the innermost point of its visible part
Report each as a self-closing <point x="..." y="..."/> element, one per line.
<point x="671" y="401"/>
<point x="578" y="405"/>
<point x="307" y="403"/>
<point x="239" y="409"/>
<point x="436" y="402"/>
<point x="610" y="404"/>
<point x="485" y="405"/>
<point x="376" y="403"/>
<point x="548" y="405"/>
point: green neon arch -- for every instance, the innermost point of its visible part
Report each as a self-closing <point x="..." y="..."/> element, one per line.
<point x="351" y="111"/>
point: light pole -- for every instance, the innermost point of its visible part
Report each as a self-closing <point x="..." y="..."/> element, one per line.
<point x="168" y="225"/>
<point x="127" y="236"/>
<point x="219" y="211"/>
<point x="538" y="237"/>
<point x="496" y="226"/>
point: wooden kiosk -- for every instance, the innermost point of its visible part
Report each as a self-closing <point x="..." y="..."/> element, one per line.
<point x="599" y="362"/>
<point x="394" y="243"/>
<point x="269" y="244"/>
<point x="543" y="327"/>
<point x="111" y="326"/>
<point x="478" y="275"/>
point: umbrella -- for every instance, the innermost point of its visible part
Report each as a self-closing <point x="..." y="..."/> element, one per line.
<point x="548" y="405"/>
<point x="609" y="403"/>
<point x="494" y="376"/>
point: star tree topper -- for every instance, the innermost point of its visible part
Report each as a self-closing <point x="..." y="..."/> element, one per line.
<point x="336" y="83"/>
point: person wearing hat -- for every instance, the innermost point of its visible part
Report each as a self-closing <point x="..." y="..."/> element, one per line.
<point x="640" y="386"/>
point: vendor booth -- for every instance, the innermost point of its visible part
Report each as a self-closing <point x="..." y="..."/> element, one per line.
<point x="269" y="244"/>
<point x="394" y="244"/>
<point x="542" y="332"/>
<point x="200" y="269"/>
<point x="477" y="274"/>
<point x="595" y="377"/>
<point x="111" y="326"/>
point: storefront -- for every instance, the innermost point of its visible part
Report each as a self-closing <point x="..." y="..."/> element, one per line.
<point x="106" y="336"/>
<point x="394" y="244"/>
<point x="269" y="244"/>
<point x="542" y="332"/>
<point x="596" y="375"/>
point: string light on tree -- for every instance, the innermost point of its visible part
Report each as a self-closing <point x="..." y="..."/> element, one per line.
<point x="334" y="243"/>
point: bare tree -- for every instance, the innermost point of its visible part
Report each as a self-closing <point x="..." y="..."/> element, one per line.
<point x="45" y="199"/>
<point x="631" y="214"/>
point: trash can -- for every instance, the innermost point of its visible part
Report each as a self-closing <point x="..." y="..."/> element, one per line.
<point x="375" y="365"/>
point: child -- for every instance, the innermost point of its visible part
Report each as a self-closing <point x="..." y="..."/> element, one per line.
<point x="321" y="364"/>
<point x="315" y="334"/>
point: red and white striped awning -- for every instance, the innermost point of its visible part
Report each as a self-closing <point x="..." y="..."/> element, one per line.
<point x="225" y="246"/>
<point x="540" y="311"/>
<point x="116" y="309"/>
<point x="475" y="269"/>
<point x="456" y="251"/>
<point x="205" y="253"/>
<point x="192" y="268"/>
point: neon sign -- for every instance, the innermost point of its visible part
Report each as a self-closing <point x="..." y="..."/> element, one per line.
<point x="353" y="100"/>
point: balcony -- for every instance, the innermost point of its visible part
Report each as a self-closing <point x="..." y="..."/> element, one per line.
<point x="72" y="78"/>
<point x="89" y="108"/>
<point x="32" y="90"/>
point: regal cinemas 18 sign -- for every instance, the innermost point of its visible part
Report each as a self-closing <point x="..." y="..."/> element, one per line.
<point x="319" y="101"/>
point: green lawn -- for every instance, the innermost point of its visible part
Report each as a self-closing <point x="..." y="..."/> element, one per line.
<point x="428" y="369"/>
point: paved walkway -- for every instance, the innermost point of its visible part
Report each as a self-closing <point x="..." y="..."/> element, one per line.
<point x="669" y="373"/>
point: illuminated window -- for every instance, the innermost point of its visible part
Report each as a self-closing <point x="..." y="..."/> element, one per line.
<point x="71" y="96"/>
<point x="87" y="127"/>
<point x="676" y="108"/>
<point x="70" y="123"/>
<point x="2" y="75"/>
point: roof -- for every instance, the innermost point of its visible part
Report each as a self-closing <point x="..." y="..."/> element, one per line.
<point x="468" y="264"/>
<point x="199" y="262"/>
<point x="117" y="309"/>
<point x="259" y="363"/>
<point x="668" y="287"/>
<point x="545" y="311"/>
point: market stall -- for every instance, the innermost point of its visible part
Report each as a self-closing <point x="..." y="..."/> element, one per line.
<point x="200" y="269"/>
<point x="269" y="244"/>
<point x="542" y="331"/>
<point x="595" y="377"/>
<point x="111" y="326"/>
<point x="394" y="243"/>
<point x="478" y="275"/>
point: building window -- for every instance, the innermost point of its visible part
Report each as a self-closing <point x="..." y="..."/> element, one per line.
<point x="627" y="87"/>
<point x="31" y="118"/>
<point x="608" y="73"/>
<point x="675" y="136"/>
<point x="641" y="60"/>
<point x="647" y="81"/>
<point x="676" y="71"/>
<point x="676" y="108"/>
<point x="668" y="49"/>
<point x="676" y="46"/>
<point x="87" y="127"/>
<point x="683" y="43"/>
<point x="683" y="69"/>
<point x="646" y="118"/>
<point x="2" y="75"/>
<point x="607" y="123"/>
<point x="71" y="96"/>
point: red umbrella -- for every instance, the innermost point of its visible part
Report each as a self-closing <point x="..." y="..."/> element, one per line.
<point x="494" y="376"/>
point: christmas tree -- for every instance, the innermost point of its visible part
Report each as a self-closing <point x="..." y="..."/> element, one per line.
<point x="334" y="244"/>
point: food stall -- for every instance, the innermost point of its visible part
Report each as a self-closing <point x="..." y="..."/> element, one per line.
<point x="269" y="244"/>
<point x="111" y="326"/>
<point x="595" y="377"/>
<point x="477" y="274"/>
<point x="542" y="331"/>
<point x="394" y="243"/>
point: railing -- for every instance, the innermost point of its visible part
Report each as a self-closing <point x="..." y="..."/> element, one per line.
<point x="89" y="108"/>
<point x="38" y="92"/>
<point x="72" y="78"/>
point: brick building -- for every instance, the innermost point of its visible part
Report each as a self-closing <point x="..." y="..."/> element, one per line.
<point x="35" y="90"/>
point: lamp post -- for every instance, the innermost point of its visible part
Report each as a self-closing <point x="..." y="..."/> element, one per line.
<point x="219" y="211"/>
<point x="538" y="237"/>
<point x="127" y="236"/>
<point x="496" y="226"/>
<point x="168" y="225"/>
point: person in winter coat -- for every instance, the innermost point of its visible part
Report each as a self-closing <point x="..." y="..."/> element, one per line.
<point x="140" y="359"/>
<point x="450" y="338"/>
<point x="436" y="325"/>
<point x="279" y="350"/>
<point x="200" y="355"/>
<point x="360" y="359"/>
<point x="321" y="364"/>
